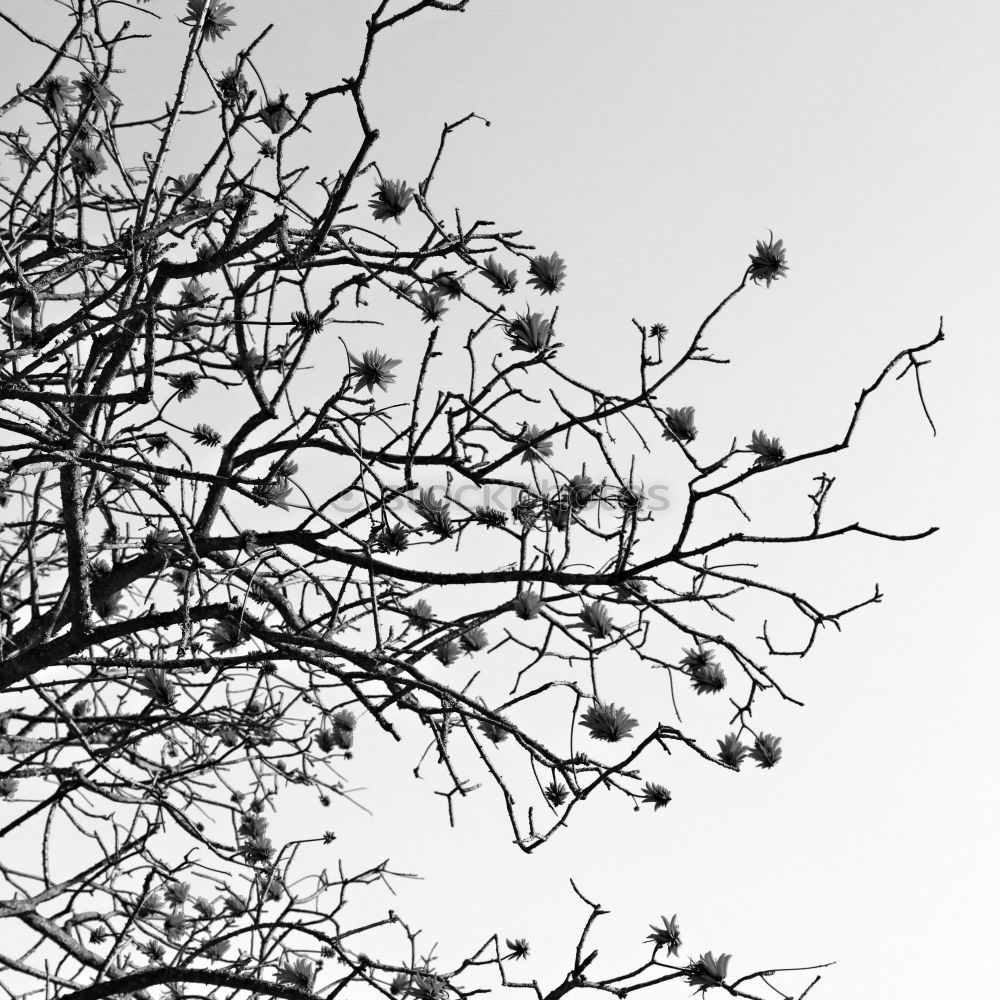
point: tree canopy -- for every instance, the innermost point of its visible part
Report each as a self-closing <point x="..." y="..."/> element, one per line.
<point x="298" y="462"/>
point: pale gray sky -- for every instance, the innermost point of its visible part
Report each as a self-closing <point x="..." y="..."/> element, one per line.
<point x="651" y="143"/>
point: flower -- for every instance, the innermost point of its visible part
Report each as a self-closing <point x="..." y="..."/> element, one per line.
<point x="547" y="274"/>
<point x="608" y="723"/>
<point x="182" y="324"/>
<point x="232" y="86"/>
<point x="706" y="675"/>
<point x="91" y="89"/>
<point x="529" y="332"/>
<point x="769" y="450"/>
<point x="373" y="370"/>
<point x="669" y="934"/>
<point x="186" y="186"/>
<point x="527" y="605"/>
<point x="519" y="948"/>
<point x="492" y="731"/>
<point x="174" y="925"/>
<point x="194" y="293"/>
<point x="258" y="850"/>
<point x="86" y="161"/>
<point x="435" y="513"/>
<point x="766" y="750"/>
<point x="710" y="678"/>
<point x="708" y="971"/>
<point x="768" y="263"/>
<point x="273" y="492"/>
<point x="177" y="893"/>
<point x="630" y="499"/>
<point x="429" y="987"/>
<point x="217" y="950"/>
<point x="204" y="907"/>
<point x="149" y="905"/>
<point x="252" y="362"/>
<point x="80" y="129"/>
<point x="655" y="795"/>
<point x="277" y="114"/>
<point x="227" y="634"/>
<point x="560" y="514"/>
<point x="235" y="906"/>
<point x="253" y="825"/>
<point x="400" y="984"/>
<point x="503" y="281"/>
<point x="56" y="93"/>
<point x="393" y="538"/>
<point x="421" y="616"/>
<point x="107" y="603"/>
<point x="581" y="490"/>
<point x="228" y="737"/>
<point x="344" y="719"/>
<point x="20" y="149"/>
<point x="631" y="588"/>
<point x="680" y="424"/>
<point x="206" y="435"/>
<point x="217" y="21"/>
<point x="186" y="384"/>
<point x="731" y="751"/>
<point x="659" y="331"/>
<point x="153" y="950"/>
<point x="490" y="517"/>
<point x="526" y="510"/>
<point x="596" y="620"/>
<point x="300" y="973"/>
<point x="156" y="684"/>
<point x="307" y="322"/>
<point x="391" y="199"/>
<point x="343" y="739"/>
<point x="8" y="787"/>
<point x="556" y="793"/>
<point x="538" y="448"/>
<point x="326" y="740"/>
<point x="162" y="542"/>
<point x="447" y="284"/>
<point x="447" y="652"/>
<point x="474" y="639"/>
<point x="697" y="658"/>
<point x="431" y="304"/>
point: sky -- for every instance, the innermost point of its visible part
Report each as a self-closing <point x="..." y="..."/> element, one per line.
<point x="651" y="144"/>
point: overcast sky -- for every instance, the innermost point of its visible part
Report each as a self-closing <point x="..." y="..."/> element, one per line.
<point x="652" y="143"/>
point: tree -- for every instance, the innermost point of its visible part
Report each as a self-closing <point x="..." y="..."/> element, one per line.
<point x="237" y="544"/>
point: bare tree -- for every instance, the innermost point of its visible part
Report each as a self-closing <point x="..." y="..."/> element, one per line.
<point x="239" y="538"/>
